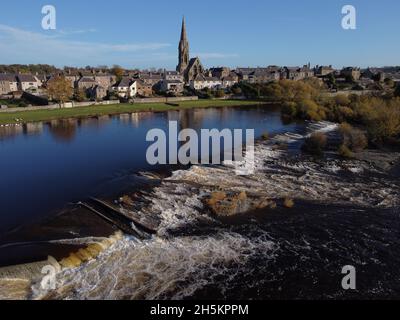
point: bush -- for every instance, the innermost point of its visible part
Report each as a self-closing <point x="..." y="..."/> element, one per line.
<point x="397" y="91"/>
<point x="236" y="90"/>
<point x="220" y="93"/>
<point x="289" y="109"/>
<point x="288" y="203"/>
<point x="265" y="136"/>
<point x="315" y="144"/>
<point x="309" y="109"/>
<point x="354" y="139"/>
<point x="342" y="100"/>
<point x="345" y="152"/>
<point x="22" y="104"/>
<point x="344" y="114"/>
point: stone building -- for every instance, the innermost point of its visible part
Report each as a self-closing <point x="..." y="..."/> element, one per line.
<point x="172" y="86"/>
<point x="259" y="75"/>
<point x="220" y="72"/>
<point x="151" y="78"/>
<point x="97" y="92"/>
<point x="173" y="75"/>
<point x="143" y="89"/>
<point x="353" y="72"/>
<point x="105" y="80"/>
<point x="85" y="83"/>
<point x="28" y="81"/>
<point x="322" y="71"/>
<point x="8" y="83"/>
<point x="298" y="73"/>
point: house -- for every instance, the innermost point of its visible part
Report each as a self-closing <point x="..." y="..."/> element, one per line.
<point x="143" y="89"/>
<point x="294" y="73"/>
<point x="259" y="75"/>
<point x="72" y="80"/>
<point x="307" y="71"/>
<point x="8" y="83"/>
<point x="97" y="92"/>
<point x="351" y="72"/>
<point x="220" y="72"/>
<point x="172" y="86"/>
<point x="28" y="81"/>
<point x="85" y="83"/>
<point x="173" y="75"/>
<point x="126" y="88"/>
<point x="322" y="71"/>
<point x="105" y="80"/>
<point x="229" y="81"/>
<point x="265" y="75"/>
<point x="151" y="78"/>
<point x="244" y="73"/>
<point x="202" y="82"/>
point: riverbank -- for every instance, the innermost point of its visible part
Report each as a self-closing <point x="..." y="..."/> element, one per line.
<point x="83" y="112"/>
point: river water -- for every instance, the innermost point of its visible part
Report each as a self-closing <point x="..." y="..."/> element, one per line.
<point x="344" y="214"/>
<point x="45" y="166"/>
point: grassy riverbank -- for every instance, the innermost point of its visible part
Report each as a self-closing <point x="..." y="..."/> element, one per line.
<point x="82" y="112"/>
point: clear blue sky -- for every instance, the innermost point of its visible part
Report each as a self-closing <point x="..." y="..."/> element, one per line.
<point x="145" y="34"/>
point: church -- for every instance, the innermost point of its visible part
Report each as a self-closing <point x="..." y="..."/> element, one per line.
<point x="189" y="68"/>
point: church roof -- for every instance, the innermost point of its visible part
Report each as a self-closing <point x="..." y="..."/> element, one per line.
<point x="193" y="61"/>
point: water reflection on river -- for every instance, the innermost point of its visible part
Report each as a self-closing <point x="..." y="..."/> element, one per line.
<point x="46" y="165"/>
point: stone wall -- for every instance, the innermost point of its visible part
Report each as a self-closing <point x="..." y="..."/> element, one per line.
<point x="57" y="106"/>
<point x="164" y="100"/>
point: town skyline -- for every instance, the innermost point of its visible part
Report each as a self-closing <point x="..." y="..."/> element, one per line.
<point x="313" y="32"/>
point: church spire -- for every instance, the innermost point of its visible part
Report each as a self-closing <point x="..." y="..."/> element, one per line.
<point x="183" y="50"/>
<point x="183" y="33"/>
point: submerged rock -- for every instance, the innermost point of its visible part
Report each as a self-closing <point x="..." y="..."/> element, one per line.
<point x="230" y="203"/>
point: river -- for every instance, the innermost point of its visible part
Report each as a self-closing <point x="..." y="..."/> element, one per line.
<point x="345" y="213"/>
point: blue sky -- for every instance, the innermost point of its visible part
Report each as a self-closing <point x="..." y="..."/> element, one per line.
<point x="145" y="34"/>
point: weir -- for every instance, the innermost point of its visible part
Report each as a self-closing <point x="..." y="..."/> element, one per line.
<point x="117" y="218"/>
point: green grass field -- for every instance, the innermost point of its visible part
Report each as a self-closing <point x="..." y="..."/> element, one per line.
<point x="82" y="112"/>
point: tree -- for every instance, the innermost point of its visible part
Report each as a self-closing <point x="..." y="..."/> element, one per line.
<point x="220" y="93"/>
<point x="389" y="82"/>
<point x="118" y="72"/>
<point x="397" y="91"/>
<point x="236" y="90"/>
<point x="59" y="89"/>
<point x="80" y="95"/>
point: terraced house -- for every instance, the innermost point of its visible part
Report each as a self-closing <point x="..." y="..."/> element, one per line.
<point x="21" y="82"/>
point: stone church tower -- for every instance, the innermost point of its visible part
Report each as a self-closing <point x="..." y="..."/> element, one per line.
<point x="183" y="50"/>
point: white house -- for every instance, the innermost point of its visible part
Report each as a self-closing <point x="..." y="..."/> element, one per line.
<point x="201" y="82"/>
<point x="126" y="88"/>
